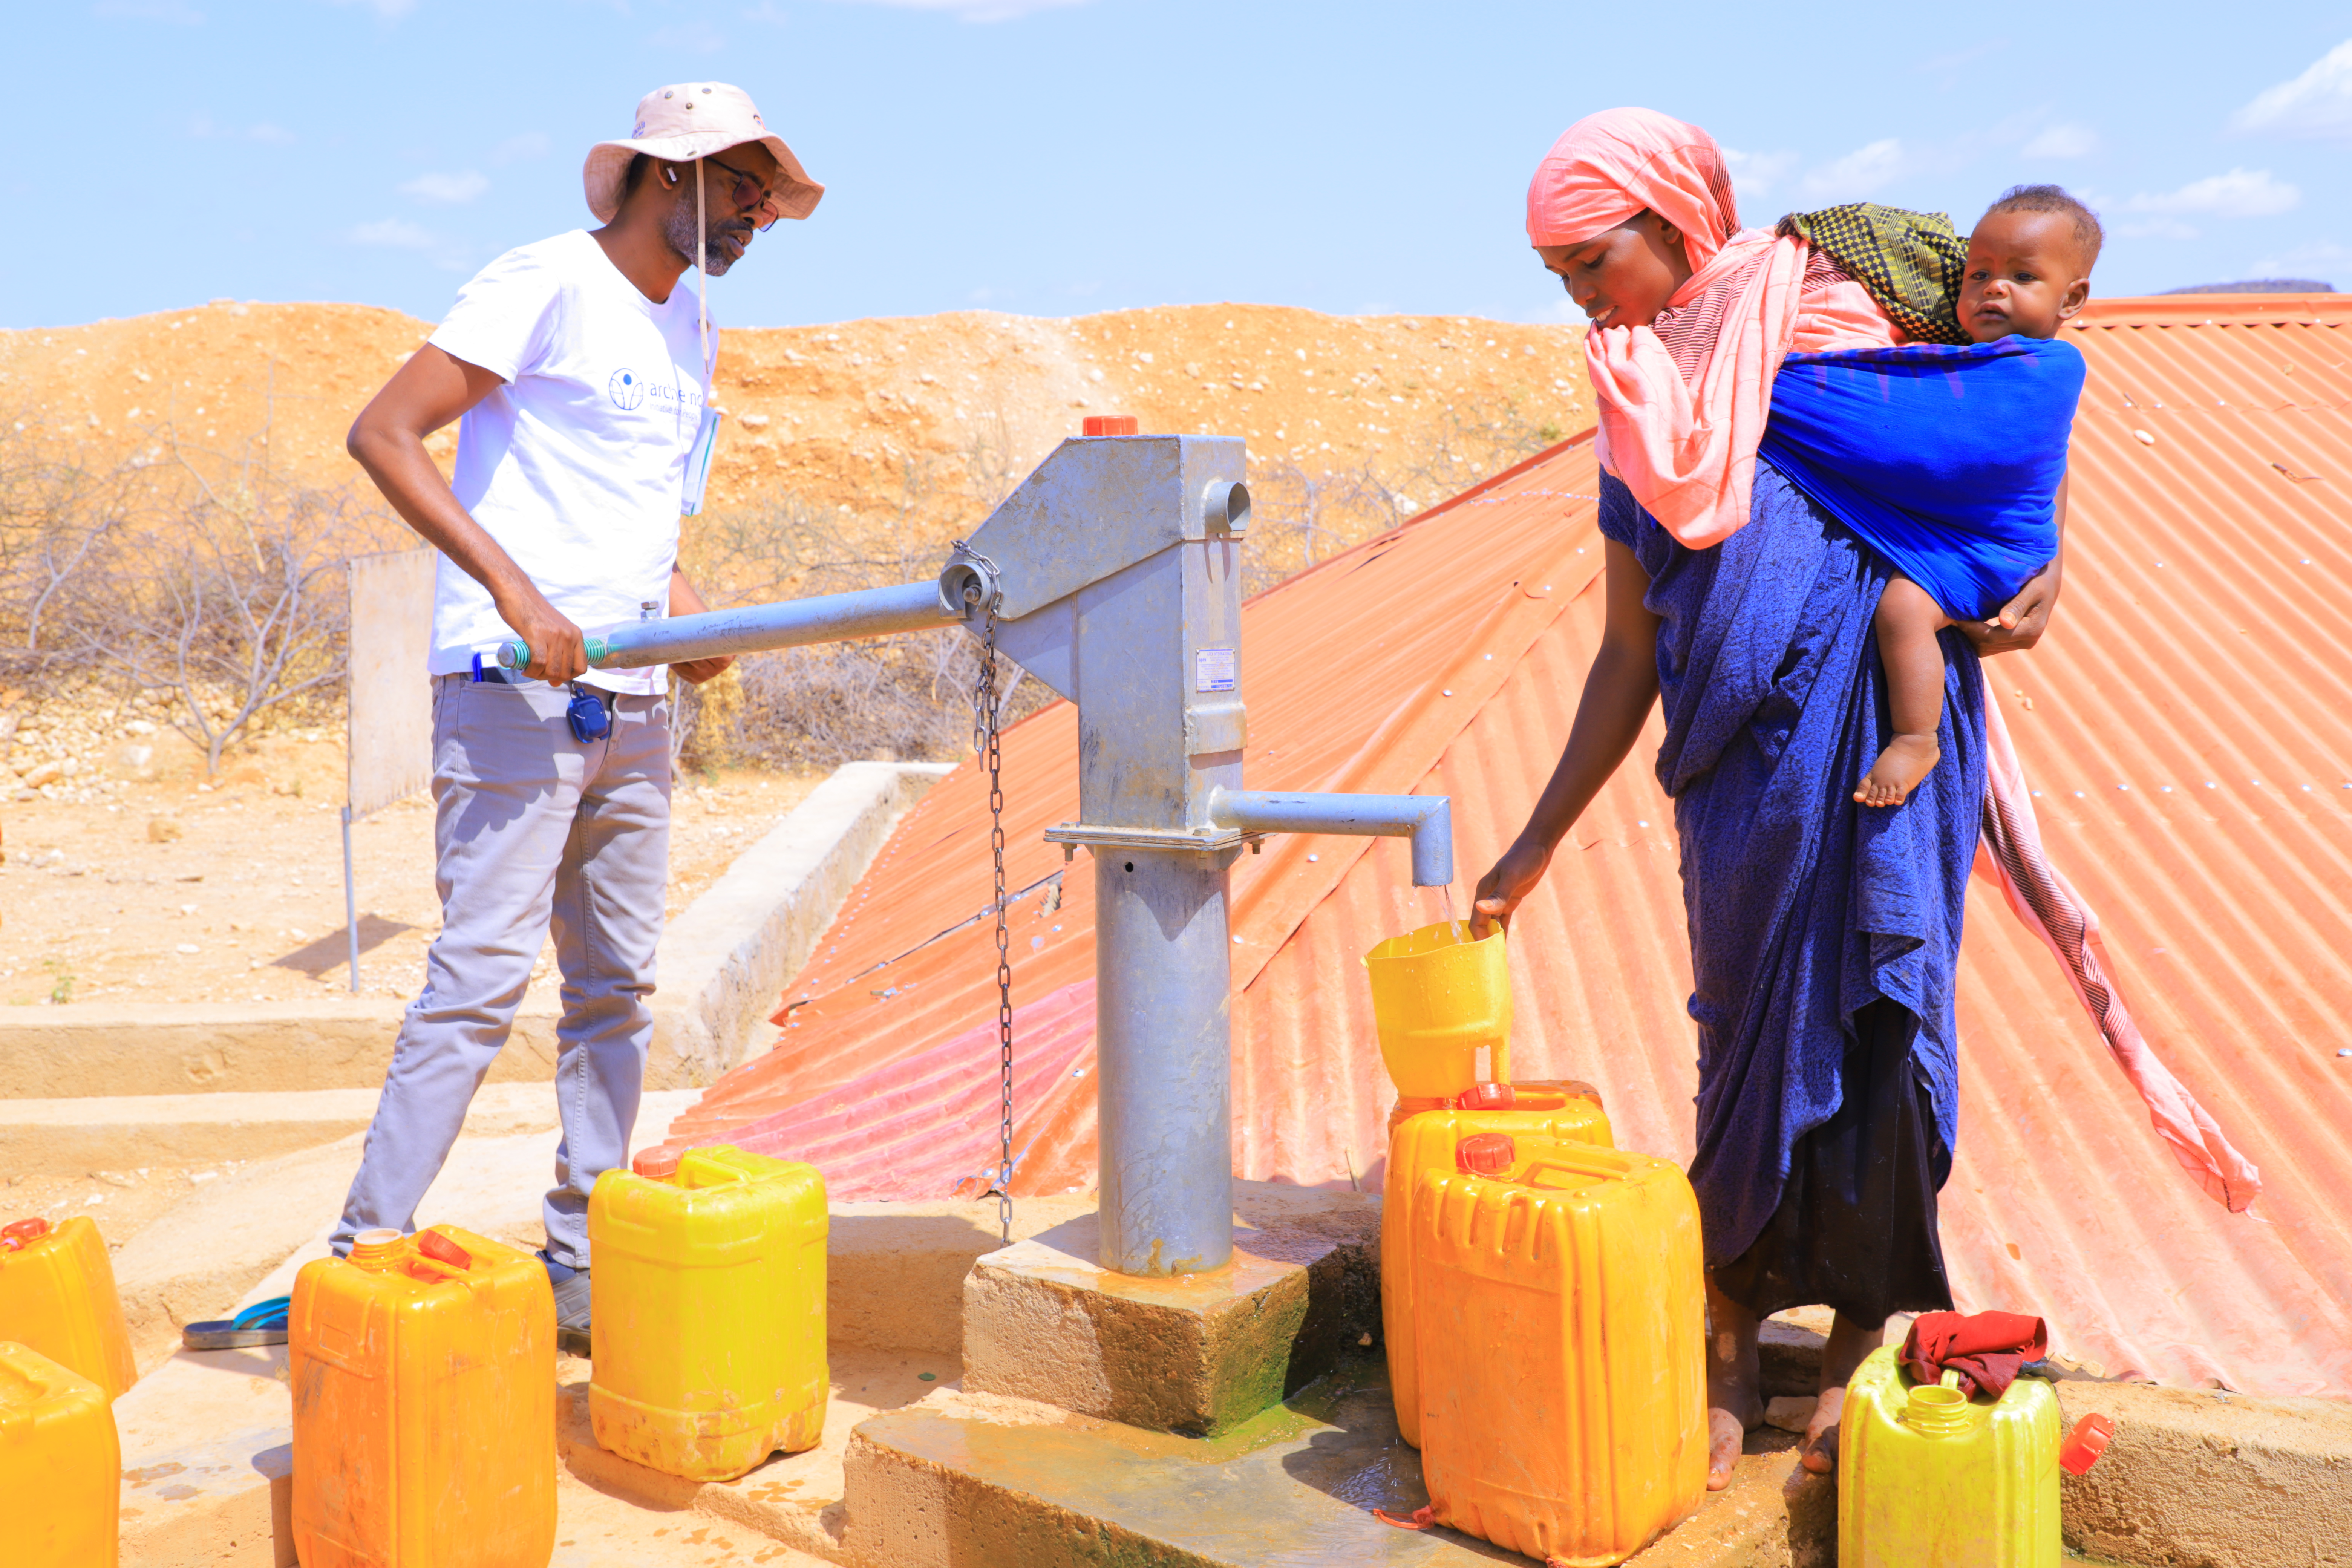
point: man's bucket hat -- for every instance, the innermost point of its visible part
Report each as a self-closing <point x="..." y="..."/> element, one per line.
<point x="691" y="120"/>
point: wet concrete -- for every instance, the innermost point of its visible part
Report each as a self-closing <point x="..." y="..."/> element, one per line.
<point x="955" y="1482"/>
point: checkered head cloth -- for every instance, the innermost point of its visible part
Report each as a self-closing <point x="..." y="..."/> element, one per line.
<point x="1911" y="263"/>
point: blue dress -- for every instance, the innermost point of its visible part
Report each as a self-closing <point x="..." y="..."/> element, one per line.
<point x="1809" y="914"/>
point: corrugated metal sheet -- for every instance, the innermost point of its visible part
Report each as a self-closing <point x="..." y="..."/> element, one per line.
<point x="2190" y="732"/>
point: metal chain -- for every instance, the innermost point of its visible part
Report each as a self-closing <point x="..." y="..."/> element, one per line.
<point x="986" y="743"/>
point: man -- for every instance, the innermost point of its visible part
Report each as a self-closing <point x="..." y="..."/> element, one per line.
<point x="581" y="370"/>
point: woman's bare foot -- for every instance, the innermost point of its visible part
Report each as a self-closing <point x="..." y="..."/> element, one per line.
<point x="1898" y="770"/>
<point x="1849" y="1342"/>
<point x="1819" y="1451"/>
<point x="1734" y="1384"/>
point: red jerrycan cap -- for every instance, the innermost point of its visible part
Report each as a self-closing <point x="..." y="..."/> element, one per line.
<point x="435" y="1246"/>
<point x="2084" y="1444"/>
<point x="1487" y="1096"/>
<point x="1485" y="1153"/>
<point x="1110" y="424"/>
<point x="24" y="1232"/>
<point x="657" y="1162"/>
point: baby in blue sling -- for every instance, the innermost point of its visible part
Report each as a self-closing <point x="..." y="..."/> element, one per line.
<point x="1949" y="461"/>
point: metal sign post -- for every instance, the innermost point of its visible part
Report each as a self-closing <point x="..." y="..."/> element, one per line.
<point x="388" y="738"/>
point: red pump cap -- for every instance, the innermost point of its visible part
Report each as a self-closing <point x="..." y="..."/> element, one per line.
<point x="1110" y="424"/>
<point x="1487" y="1096"/>
<point x="2084" y="1446"/>
<point x="24" y="1231"/>
<point x="657" y="1162"/>
<point x="1485" y="1153"/>
<point x="435" y="1246"/>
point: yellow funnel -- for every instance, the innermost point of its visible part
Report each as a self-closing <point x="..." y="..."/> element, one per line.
<point x="1438" y="997"/>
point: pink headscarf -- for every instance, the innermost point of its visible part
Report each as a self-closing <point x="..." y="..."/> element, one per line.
<point x="1683" y="405"/>
<point x="1610" y="166"/>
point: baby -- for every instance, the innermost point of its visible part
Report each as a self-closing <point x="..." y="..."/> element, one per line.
<point x="2028" y="270"/>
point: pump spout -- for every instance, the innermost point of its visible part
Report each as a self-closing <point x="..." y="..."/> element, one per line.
<point x="1427" y="820"/>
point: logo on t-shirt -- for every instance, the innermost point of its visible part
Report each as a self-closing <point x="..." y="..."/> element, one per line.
<point x="628" y="390"/>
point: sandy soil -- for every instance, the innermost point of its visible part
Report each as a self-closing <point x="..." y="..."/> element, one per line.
<point x="833" y="414"/>
<point x="183" y="891"/>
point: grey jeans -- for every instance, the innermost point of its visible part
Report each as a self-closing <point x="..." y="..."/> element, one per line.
<point x="531" y="829"/>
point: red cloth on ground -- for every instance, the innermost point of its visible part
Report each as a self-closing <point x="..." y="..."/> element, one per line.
<point x="1985" y="1348"/>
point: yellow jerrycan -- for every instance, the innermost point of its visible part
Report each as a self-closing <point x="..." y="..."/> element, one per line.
<point x="60" y="1464"/>
<point x="1423" y="1137"/>
<point x="707" y="1310"/>
<point x="1929" y="1478"/>
<point x="1440" y="1000"/>
<point x="424" y="1374"/>
<point x="1559" y="1320"/>
<point x="57" y="1297"/>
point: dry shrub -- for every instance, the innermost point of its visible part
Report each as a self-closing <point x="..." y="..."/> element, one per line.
<point x="226" y="601"/>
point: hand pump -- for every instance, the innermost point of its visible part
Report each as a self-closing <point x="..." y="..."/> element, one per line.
<point x="1113" y="575"/>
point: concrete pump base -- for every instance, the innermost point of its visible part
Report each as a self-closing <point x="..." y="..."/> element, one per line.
<point x="1197" y="1354"/>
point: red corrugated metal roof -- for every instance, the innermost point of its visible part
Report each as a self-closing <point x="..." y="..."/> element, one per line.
<point x="2191" y="733"/>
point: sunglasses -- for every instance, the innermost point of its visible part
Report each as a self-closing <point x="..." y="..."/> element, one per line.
<point x="749" y="193"/>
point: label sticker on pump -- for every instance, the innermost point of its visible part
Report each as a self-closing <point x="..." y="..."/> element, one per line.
<point x="1212" y="670"/>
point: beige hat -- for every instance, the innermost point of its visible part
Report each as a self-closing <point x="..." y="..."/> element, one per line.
<point x="693" y="121"/>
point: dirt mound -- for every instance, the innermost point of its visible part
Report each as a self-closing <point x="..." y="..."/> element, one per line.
<point x="846" y="419"/>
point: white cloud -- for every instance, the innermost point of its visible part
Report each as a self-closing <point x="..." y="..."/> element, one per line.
<point x="696" y="37"/>
<point x="393" y="234"/>
<point x="2064" y="140"/>
<point x="203" y="130"/>
<point x="2316" y="103"/>
<point x="2240" y="192"/>
<point x="399" y="234"/>
<point x="517" y="149"/>
<point x="2320" y="259"/>
<point x="974" y="10"/>
<point x="446" y="189"/>
<point x="1756" y="173"/>
<point x="172" y="11"/>
<point x="390" y="10"/>
<point x="1860" y="173"/>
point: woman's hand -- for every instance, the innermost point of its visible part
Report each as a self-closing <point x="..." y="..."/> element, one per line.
<point x="2022" y="620"/>
<point x="1514" y="877"/>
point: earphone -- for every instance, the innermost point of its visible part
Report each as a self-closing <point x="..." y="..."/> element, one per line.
<point x="669" y="174"/>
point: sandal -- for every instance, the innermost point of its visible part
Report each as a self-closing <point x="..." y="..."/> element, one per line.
<point x="263" y="1323"/>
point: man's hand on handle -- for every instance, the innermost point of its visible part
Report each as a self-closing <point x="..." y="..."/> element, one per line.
<point x="558" y="651"/>
<point x="684" y="600"/>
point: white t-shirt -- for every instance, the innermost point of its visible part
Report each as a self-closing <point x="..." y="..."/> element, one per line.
<point x="577" y="465"/>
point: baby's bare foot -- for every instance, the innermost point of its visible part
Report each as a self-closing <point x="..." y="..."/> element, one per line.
<point x="1898" y="770"/>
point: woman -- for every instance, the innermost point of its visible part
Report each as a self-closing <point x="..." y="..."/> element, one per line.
<point x="1824" y="934"/>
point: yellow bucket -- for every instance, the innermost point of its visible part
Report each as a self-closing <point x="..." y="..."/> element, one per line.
<point x="1440" y="997"/>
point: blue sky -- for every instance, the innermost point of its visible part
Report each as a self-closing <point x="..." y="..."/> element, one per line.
<point x="1054" y="157"/>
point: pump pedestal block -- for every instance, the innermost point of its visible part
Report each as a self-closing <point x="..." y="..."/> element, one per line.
<point x="1195" y="1353"/>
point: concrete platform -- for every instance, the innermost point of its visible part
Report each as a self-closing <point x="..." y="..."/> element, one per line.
<point x="962" y="1480"/>
<point x="2204" y="1477"/>
<point x="109" y="1131"/>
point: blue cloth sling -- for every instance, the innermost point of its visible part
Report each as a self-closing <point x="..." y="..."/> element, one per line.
<point x="1945" y="460"/>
